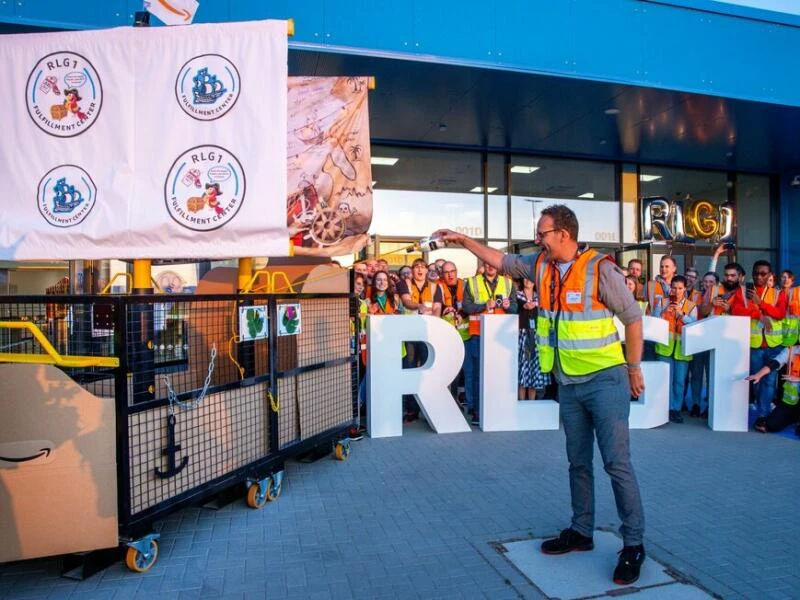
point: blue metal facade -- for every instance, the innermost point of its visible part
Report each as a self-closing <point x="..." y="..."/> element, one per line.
<point x="700" y="46"/>
<point x="664" y="45"/>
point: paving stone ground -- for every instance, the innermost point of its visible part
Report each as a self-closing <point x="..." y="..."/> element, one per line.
<point x="416" y="517"/>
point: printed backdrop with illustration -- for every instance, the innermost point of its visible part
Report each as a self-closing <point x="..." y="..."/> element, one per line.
<point x="329" y="177"/>
<point x="145" y="143"/>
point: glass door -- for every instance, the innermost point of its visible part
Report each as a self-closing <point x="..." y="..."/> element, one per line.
<point x="397" y="251"/>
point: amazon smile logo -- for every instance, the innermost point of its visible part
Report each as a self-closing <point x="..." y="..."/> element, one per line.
<point x="38" y="452"/>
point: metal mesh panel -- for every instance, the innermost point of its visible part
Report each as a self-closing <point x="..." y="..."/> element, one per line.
<point x="73" y="326"/>
<point x="187" y="427"/>
<point x="170" y="347"/>
<point x="326" y="331"/>
<point x="315" y="395"/>
<point x="228" y="430"/>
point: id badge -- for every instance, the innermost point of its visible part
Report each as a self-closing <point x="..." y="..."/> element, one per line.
<point x="531" y="323"/>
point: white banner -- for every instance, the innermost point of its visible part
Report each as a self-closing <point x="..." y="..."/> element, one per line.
<point x="145" y="143"/>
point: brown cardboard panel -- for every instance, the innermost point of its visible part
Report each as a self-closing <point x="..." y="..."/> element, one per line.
<point x="227" y="430"/>
<point x="325" y="330"/>
<point x="304" y="278"/>
<point x="327" y="279"/>
<point x="288" y="422"/>
<point x="219" y="280"/>
<point x="65" y="500"/>
<point x="286" y="346"/>
<point x="324" y="399"/>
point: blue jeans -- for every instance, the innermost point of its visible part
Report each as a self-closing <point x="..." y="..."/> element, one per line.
<point x="600" y="407"/>
<point x="698" y="367"/>
<point x="472" y="365"/>
<point x="764" y="389"/>
<point x="678" y="370"/>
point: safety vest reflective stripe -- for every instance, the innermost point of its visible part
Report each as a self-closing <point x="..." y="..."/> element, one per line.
<point x="589" y="315"/>
<point x="565" y="344"/>
<point x="481" y="294"/>
<point x="673" y="347"/>
<point x="773" y="335"/>
<point x="654" y="289"/>
<point x="791" y="395"/>
<point x="448" y="300"/>
<point x="585" y="336"/>
<point x="791" y="324"/>
<point x="447" y="295"/>
<point x="426" y="294"/>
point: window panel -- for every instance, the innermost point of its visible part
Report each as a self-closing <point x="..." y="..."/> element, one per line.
<point x="587" y="187"/>
<point x="752" y="204"/>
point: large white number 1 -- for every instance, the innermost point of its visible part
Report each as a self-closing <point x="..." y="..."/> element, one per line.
<point x="728" y="338"/>
<point x="652" y="408"/>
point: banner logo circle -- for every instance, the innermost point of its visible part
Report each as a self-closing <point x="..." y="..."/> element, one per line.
<point x="205" y="188"/>
<point x="64" y="94"/>
<point x="207" y="87"/>
<point x="66" y="195"/>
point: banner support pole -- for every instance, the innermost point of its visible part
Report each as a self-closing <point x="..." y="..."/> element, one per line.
<point x="142" y="284"/>
<point x="245" y="273"/>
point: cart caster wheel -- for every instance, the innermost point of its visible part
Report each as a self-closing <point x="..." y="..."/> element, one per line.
<point x="342" y="450"/>
<point x="275" y="487"/>
<point x="142" y="562"/>
<point x="256" y="498"/>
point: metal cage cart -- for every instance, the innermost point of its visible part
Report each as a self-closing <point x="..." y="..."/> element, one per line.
<point x="206" y="392"/>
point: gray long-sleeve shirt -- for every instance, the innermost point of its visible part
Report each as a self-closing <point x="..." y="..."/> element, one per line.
<point x="611" y="288"/>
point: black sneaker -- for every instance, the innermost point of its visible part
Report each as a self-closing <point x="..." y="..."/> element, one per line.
<point x="567" y="541"/>
<point x="695" y="412"/>
<point x="675" y="417"/>
<point x="629" y="565"/>
<point x="475" y="419"/>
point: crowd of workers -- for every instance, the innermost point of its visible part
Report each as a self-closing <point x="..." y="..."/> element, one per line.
<point x="773" y="307"/>
<point x="772" y="304"/>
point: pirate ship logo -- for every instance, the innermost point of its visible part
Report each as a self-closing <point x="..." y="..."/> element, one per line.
<point x="64" y="94"/>
<point x="66" y="196"/>
<point x="204" y="188"/>
<point x="207" y="87"/>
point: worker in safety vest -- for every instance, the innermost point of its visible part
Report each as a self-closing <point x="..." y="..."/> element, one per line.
<point x="453" y="299"/>
<point x="424" y="297"/>
<point x="453" y="310"/>
<point x="631" y="282"/>
<point x="791" y="324"/>
<point x="484" y="294"/>
<point x="767" y="307"/>
<point x="678" y="311"/>
<point x="635" y="268"/>
<point x="580" y="291"/>
<point x="658" y="287"/>
<point x="693" y="293"/>
<point x="787" y="409"/>
<point x="696" y="401"/>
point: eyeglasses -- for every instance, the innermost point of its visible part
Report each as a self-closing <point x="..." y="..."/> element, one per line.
<point x="449" y="271"/>
<point x="541" y="234"/>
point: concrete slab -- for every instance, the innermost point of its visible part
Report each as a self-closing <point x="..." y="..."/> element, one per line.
<point x="579" y="574"/>
<point x="673" y="591"/>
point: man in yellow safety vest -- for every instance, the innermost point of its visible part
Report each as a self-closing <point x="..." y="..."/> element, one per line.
<point x="580" y="291"/>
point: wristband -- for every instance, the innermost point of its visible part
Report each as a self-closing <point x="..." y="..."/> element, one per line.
<point x="634" y="367"/>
